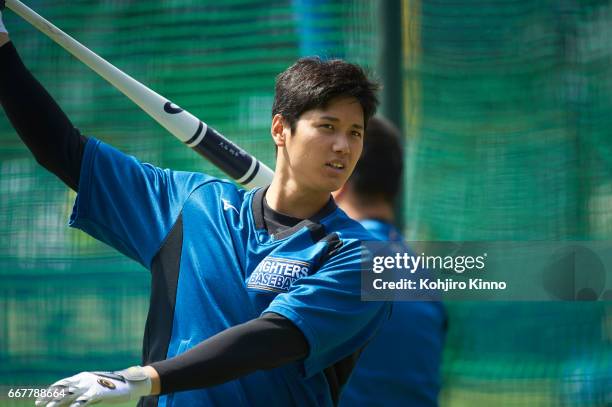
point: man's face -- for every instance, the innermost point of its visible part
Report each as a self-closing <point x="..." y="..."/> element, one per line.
<point x="322" y="152"/>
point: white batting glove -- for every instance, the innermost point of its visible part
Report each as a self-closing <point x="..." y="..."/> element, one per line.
<point x="2" y="27"/>
<point x="88" y="388"/>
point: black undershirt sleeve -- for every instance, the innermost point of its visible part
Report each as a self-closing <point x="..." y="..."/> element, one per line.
<point x="41" y="124"/>
<point x="263" y="343"/>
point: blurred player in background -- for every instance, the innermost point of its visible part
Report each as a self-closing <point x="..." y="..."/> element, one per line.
<point x="255" y="295"/>
<point x="401" y="365"/>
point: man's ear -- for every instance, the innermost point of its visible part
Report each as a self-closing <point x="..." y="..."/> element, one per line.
<point x="279" y="130"/>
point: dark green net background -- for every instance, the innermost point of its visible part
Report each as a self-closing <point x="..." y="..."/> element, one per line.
<point x="506" y="108"/>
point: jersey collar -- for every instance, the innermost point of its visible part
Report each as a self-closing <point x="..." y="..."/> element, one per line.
<point x="258" y="214"/>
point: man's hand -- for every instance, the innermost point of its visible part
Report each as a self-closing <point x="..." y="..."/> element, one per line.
<point x="88" y="388"/>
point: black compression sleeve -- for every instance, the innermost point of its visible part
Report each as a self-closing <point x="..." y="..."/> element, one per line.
<point x="263" y="343"/>
<point x="39" y="121"/>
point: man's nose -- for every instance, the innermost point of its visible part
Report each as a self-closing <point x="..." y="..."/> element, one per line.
<point x="341" y="144"/>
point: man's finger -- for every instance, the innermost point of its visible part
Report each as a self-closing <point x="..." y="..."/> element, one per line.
<point x="58" y="394"/>
<point x="90" y="397"/>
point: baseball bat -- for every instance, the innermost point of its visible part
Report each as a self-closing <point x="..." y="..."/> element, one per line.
<point x="227" y="156"/>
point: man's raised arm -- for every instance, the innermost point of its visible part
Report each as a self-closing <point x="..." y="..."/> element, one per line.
<point x="41" y="124"/>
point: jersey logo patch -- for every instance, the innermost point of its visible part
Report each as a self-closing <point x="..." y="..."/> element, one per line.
<point x="277" y="274"/>
<point x="227" y="205"/>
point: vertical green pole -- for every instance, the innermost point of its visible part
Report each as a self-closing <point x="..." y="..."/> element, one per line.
<point x="390" y="71"/>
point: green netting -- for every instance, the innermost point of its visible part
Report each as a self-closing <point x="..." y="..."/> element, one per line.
<point x="506" y="111"/>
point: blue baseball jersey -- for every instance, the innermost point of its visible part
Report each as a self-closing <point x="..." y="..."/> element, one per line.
<point x="401" y="365"/>
<point x="214" y="265"/>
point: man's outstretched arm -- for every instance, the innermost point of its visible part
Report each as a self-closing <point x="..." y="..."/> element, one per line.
<point x="41" y="124"/>
<point x="263" y="343"/>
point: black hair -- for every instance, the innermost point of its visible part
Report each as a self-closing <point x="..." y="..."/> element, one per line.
<point x="312" y="83"/>
<point x="378" y="172"/>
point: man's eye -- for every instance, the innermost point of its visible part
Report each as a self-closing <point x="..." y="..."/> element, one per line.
<point x="356" y="134"/>
<point x="327" y="126"/>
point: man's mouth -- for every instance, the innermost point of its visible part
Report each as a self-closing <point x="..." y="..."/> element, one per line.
<point x="335" y="165"/>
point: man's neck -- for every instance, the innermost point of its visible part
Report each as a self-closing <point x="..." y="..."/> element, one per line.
<point x="355" y="210"/>
<point x="287" y="198"/>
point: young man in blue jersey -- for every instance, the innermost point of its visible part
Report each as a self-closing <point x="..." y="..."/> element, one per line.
<point x="401" y="365"/>
<point x="255" y="295"/>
